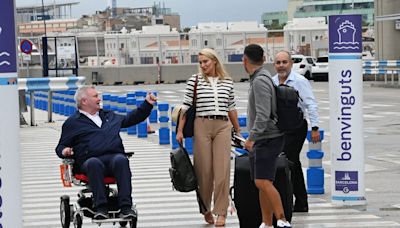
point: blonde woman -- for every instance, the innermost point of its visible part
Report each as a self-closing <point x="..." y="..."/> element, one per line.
<point x="215" y="115"/>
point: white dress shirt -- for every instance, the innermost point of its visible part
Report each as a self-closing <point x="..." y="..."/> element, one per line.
<point x="95" y="118"/>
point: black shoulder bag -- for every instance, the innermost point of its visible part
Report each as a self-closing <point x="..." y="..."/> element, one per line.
<point x="188" y="129"/>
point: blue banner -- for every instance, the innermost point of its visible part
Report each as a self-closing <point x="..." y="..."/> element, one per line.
<point x="7" y="38"/>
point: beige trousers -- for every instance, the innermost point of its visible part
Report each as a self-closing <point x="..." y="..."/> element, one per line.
<point x="211" y="151"/>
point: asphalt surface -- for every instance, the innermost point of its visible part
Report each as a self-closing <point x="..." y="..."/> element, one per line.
<point x="159" y="206"/>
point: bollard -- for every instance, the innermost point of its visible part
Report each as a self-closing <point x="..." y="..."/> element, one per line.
<point x="44" y="99"/>
<point x="163" y="131"/>
<point x="315" y="171"/>
<point x="130" y="106"/>
<point x="131" y="94"/>
<point x="35" y="99"/>
<point x="56" y="104"/>
<point x="142" y="126"/>
<point x="189" y="145"/>
<point x="68" y="103"/>
<point x="72" y="108"/>
<point x="243" y="131"/>
<point x="122" y="108"/>
<point x="174" y="143"/>
<point x="27" y="98"/>
<point x="62" y="104"/>
<point x="113" y="102"/>
<point x="154" y="112"/>
<point x="106" y="101"/>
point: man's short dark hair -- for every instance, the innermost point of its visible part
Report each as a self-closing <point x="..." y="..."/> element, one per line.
<point x="255" y="54"/>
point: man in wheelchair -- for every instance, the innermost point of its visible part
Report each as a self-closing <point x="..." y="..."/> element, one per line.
<point x="91" y="137"/>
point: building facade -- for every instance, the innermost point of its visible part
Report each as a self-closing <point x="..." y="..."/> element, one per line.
<point x="322" y="8"/>
<point x="307" y="36"/>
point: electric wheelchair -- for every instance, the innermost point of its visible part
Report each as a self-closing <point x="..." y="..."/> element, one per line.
<point x="71" y="175"/>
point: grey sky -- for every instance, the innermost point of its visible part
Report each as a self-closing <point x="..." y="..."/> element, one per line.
<point x="191" y="11"/>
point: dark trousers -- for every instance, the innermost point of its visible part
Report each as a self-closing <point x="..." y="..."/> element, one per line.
<point x="292" y="147"/>
<point x="116" y="165"/>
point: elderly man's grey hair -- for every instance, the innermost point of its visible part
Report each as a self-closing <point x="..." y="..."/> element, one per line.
<point x="80" y="93"/>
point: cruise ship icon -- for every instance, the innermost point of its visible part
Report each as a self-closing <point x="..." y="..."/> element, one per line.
<point x="346" y="36"/>
<point x="4" y="62"/>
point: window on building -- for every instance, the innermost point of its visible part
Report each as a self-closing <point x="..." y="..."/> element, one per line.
<point x="146" y="60"/>
<point x="194" y="58"/>
<point x="159" y="21"/>
<point x="219" y="42"/>
<point x="205" y="42"/>
<point x="303" y="38"/>
<point x="122" y="45"/>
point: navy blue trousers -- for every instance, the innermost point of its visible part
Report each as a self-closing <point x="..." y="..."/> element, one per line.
<point x="116" y="165"/>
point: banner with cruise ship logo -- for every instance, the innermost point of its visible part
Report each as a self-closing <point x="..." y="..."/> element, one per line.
<point x="346" y="114"/>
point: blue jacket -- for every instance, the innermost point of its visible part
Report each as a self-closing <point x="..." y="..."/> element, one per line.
<point x="88" y="140"/>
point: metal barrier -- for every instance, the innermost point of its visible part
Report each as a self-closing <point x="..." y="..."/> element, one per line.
<point x="50" y="85"/>
<point x="383" y="67"/>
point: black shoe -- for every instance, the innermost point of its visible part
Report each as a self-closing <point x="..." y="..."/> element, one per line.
<point x="101" y="214"/>
<point x="300" y="209"/>
<point x="127" y="213"/>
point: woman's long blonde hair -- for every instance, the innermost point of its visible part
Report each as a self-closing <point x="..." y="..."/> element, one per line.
<point x="219" y="67"/>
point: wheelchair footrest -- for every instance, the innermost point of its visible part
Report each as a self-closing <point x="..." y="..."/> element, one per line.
<point x="112" y="220"/>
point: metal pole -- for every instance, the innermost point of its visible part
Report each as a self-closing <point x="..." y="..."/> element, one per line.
<point x="97" y="50"/>
<point x="32" y="107"/>
<point x="27" y="69"/>
<point x="50" y="107"/>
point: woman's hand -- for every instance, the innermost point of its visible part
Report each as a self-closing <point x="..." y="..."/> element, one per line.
<point x="179" y="136"/>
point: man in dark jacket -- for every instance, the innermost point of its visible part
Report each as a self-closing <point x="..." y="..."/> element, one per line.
<point x="91" y="136"/>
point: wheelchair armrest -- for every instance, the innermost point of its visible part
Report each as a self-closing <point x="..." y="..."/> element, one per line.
<point x="129" y="154"/>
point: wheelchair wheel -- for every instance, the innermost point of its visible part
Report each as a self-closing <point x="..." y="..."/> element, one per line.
<point x="65" y="212"/>
<point x="123" y="224"/>
<point x="133" y="223"/>
<point x="78" y="221"/>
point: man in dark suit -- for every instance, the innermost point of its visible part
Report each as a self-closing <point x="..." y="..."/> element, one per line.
<point x="91" y="136"/>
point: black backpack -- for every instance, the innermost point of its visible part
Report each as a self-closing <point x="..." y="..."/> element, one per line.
<point x="183" y="176"/>
<point x="289" y="116"/>
<point x="182" y="173"/>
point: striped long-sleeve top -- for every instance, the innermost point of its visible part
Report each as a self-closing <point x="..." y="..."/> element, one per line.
<point x="216" y="99"/>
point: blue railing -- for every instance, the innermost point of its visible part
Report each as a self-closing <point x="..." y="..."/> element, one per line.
<point x="387" y="68"/>
<point x="49" y="85"/>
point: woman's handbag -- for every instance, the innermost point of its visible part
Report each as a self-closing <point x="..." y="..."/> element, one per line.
<point x="190" y="114"/>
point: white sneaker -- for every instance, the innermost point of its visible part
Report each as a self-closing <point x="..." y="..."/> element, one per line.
<point x="281" y="223"/>
<point x="265" y="226"/>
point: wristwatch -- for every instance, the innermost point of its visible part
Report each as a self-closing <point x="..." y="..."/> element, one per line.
<point x="315" y="128"/>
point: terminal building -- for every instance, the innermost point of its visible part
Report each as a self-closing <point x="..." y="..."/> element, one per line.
<point x="58" y="18"/>
<point x="320" y="8"/>
<point x="160" y="44"/>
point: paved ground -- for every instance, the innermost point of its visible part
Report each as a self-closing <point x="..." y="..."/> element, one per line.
<point x="160" y="206"/>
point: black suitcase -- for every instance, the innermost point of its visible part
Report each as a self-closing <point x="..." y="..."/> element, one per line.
<point x="245" y="193"/>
